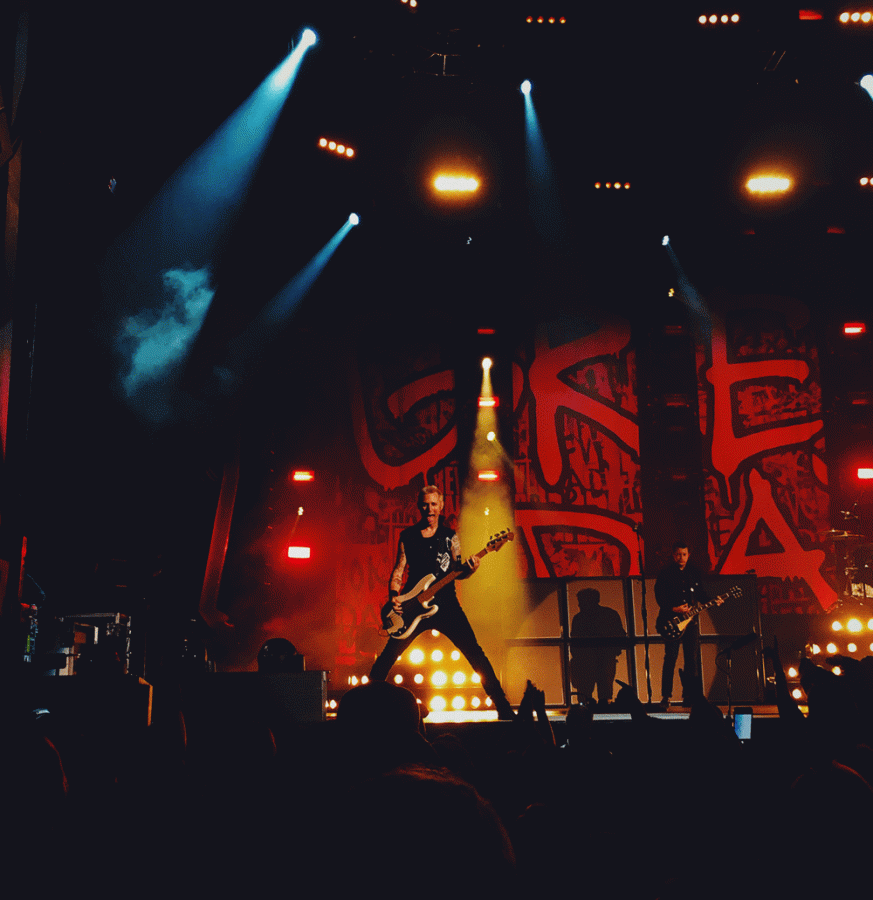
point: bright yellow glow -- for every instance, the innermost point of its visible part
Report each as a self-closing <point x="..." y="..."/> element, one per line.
<point x="852" y="648"/>
<point x="551" y="20"/>
<point x="434" y="632"/>
<point x="456" y="655"/>
<point x="459" y="678"/>
<point x="488" y="701"/>
<point x="837" y="670"/>
<point x="797" y="693"/>
<point x="438" y="704"/>
<point x="724" y="19"/>
<point x="341" y="148"/>
<point x="856" y="16"/>
<point x="627" y="185"/>
<point x="349" y="152"/>
<point x="597" y="185"/>
<point x="457" y="702"/>
<point x="475" y="703"/>
<point x="332" y="704"/>
<point x="837" y="626"/>
<point x="456" y="184"/>
<point x="815" y="649"/>
<point x="844" y="17"/>
<point x="865" y="17"/>
<point x="792" y="672"/>
<point x="831" y="648"/>
<point x="437" y="656"/>
<point x="854" y="625"/>
<point x="299" y="553"/>
<point x="490" y="436"/>
<point x="398" y="679"/>
<point x="864" y="180"/>
<point x="439" y="679"/>
<point x="870" y="625"/>
<point x="303" y="475"/>
<point x="413" y="3"/>
<point x="702" y="20"/>
<point x="865" y="474"/>
<point x="476" y="678"/>
<point x="299" y="510"/>
<point x="419" y="678"/>
<point x="417" y="656"/>
<point x="713" y="19"/>
<point x="354" y="679"/>
<point x="768" y="184"/>
<point x="487" y="362"/>
<point x="331" y="145"/>
<point x="735" y="18"/>
<point x="322" y="142"/>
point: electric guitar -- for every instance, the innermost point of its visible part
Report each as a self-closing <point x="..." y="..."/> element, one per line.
<point x="672" y="627"/>
<point x="416" y="604"/>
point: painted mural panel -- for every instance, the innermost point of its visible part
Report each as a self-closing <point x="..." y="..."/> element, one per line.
<point x="577" y="467"/>
<point x="766" y="481"/>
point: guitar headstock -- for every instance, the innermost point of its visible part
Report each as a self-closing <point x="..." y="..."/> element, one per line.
<point x="499" y="539"/>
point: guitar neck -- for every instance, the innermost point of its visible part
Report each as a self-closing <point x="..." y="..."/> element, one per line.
<point x="699" y="607"/>
<point x="448" y="578"/>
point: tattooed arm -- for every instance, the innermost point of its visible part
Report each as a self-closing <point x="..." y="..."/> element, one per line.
<point x="396" y="581"/>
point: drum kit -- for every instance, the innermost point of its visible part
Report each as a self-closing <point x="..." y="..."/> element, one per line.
<point x="856" y="554"/>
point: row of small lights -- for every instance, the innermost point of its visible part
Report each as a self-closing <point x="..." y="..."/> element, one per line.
<point x="724" y="19"/>
<point x="552" y="20"/>
<point x="866" y="17"/>
<point x="334" y="147"/>
<point x="411" y="3"/>
<point x="865" y="181"/>
<point x="612" y="184"/>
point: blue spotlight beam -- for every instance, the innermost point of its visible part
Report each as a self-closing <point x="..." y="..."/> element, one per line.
<point x="279" y="310"/>
<point x="157" y="276"/>
<point x="700" y="315"/>
<point x="545" y="207"/>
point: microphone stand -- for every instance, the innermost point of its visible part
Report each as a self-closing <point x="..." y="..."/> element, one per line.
<point x="644" y="611"/>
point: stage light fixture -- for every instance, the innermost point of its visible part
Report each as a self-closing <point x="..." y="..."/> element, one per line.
<point x="438" y="704"/>
<point x="797" y="693"/>
<point x="850" y="328"/>
<point x="398" y="679"/>
<point x="419" y="678"/>
<point x="831" y="648"/>
<point x="665" y="240"/>
<point x="865" y="474"/>
<point x="417" y="656"/>
<point x="476" y="678"/>
<point x="354" y="219"/>
<point x="491" y="436"/>
<point x="809" y="15"/>
<point x="447" y="183"/>
<point x="487" y="362"/>
<point x="456" y="655"/>
<point x="299" y="552"/>
<point x="437" y="656"/>
<point x="526" y="86"/>
<point x="837" y="626"/>
<point x="439" y="679"/>
<point x="459" y="678"/>
<point x="488" y="475"/>
<point x="308" y="38"/>
<point x="303" y="475"/>
<point x="768" y="184"/>
<point x="852" y="648"/>
<point x="489" y="402"/>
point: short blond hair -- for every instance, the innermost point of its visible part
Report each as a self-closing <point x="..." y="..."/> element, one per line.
<point x="429" y="489"/>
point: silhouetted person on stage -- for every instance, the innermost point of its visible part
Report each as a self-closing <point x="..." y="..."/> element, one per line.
<point x="590" y="666"/>
<point x="426" y="548"/>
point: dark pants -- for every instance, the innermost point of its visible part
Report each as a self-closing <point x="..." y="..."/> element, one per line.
<point x="690" y="642"/>
<point x="453" y="623"/>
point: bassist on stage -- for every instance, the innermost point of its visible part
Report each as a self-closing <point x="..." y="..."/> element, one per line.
<point x="431" y="547"/>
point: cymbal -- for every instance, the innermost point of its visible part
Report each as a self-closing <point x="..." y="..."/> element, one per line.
<point x="836" y="535"/>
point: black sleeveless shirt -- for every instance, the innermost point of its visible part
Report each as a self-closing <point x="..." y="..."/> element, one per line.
<point x="429" y="555"/>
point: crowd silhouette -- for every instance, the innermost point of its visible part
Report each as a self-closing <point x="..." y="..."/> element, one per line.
<point x="238" y="800"/>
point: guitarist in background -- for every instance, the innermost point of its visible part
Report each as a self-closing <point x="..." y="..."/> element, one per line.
<point x="430" y="547"/>
<point x="678" y="588"/>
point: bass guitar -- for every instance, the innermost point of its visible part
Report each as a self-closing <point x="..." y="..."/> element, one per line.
<point x="416" y="604"/>
<point x="671" y="627"/>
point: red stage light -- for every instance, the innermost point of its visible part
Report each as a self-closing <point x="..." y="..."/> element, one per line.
<point x="865" y="474"/>
<point x="488" y="475"/>
<point x="299" y="552"/>
<point x="300" y="475"/>
<point x="809" y="15"/>
<point x="854" y="328"/>
<point x="488" y="402"/>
